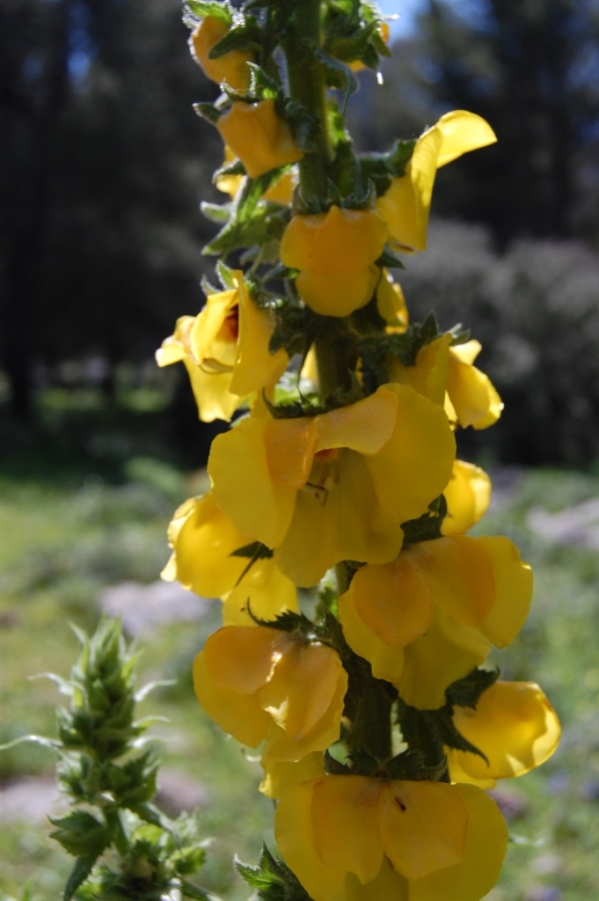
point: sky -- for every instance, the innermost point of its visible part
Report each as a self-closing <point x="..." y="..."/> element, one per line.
<point x="406" y="9"/>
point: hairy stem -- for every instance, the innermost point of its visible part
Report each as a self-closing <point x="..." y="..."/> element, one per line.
<point x="307" y="86"/>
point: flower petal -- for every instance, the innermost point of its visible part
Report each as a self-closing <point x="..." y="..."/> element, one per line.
<point x="204" y="542"/>
<point x="514" y="725"/>
<point x="258" y="136"/>
<point x="513" y="591"/>
<point x="459" y="575"/>
<point x="423" y="827"/>
<point x="346" y="521"/>
<point x="414" y="466"/>
<point x="239" y="715"/>
<point x="204" y="333"/>
<point x="282" y="746"/>
<point x="302" y="688"/>
<point x="393" y="600"/>
<point x="290" y="446"/>
<point x="387" y="886"/>
<point x="295" y="838"/>
<point x="247" y="493"/>
<point x="429" y="375"/>
<point x="243" y="658"/>
<point x="386" y="662"/>
<point x="472" y="394"/>
<point x="280" y="776"/>
<point x="365" y="426"/>
<point x="212" y="392"/>
<point x="468" y="496"/>
<point x="345" y="819"/>
<point x="447" y="652"/>
<point x="485" y="848"/>
<point x="264" y="590"/>
<point x="462" y="132"/>
<point x="255" y="366"/>
<point x="337" y="293"/>
<point x="337" y="241"/>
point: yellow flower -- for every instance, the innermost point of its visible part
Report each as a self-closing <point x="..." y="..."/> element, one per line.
<point x="231" y="67"/>
<point x="229" y="184"/>
<point x="468" y="496"/>
<point x="514" y="726"/>
<point x="447" y="375"/>
<point x="203" y="542"/>
<point x="391" y="304"/>
<point x="258" y="136"/>
<point x="433" y="614"/>
<point x="336" y="486"/>
<point x="335" y="252"/>
<point x="406" y="205"/>
<point x="225" y="351"/>
<point x="354" y="837"/>
<point x="281" y="191"/>
<point x="261" y="683"/>
<point x="281" y="776"/>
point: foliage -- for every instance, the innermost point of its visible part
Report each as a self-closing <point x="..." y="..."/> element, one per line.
<point x="123" y="845"/>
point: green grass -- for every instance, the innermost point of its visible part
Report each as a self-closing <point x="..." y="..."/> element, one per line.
<point x="63" y="542"/>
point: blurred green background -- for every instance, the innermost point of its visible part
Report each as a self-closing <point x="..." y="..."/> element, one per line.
<point x="102" y="165"/>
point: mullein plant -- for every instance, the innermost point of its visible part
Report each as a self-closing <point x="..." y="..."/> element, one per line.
<point x="379" y="726"/>
<point x="125" y="849"/>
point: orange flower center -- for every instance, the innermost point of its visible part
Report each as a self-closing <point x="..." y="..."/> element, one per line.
<point x="229" y="331"/>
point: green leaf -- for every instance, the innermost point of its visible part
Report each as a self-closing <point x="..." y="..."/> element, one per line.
<point x="50" y="743"/>
<point x="81" y="834"/>
<point x="262" y="86"/>
<point x="425" y="757"/>
<point x="79" y="873"/>
<point x="351" y="47"/>
<point x="466" y="692"/>
<point x="272" y="879"/>
<point x="189" y="860"/>
<point x="337" y="75"/>
<point x="303" y="123"/>
<point x="291" y="331"/>
<point x="149" y="814"/>
<point x="381" y="168"/>
<point x="389" y="260"/>
<point x="193" y="891"/>
<point x="256" y="551"/>
<point x="245" y="36"/>
<point x="336" y="768"/>
<point x="216" y="212"/>
<point x="256" y="877"/>
<point x="416" y="766"/>
<point x="450" y="735"/>
<point x="151" y="686"/>
<point x="225" y="276"/>
<point x="428" y="526"/>
<point x="295" y="623"/>
<point x="247" y="213"/>
<point x="399" y="156"/>
<point x="202" y="8"/>
<point x="208" y="111"/>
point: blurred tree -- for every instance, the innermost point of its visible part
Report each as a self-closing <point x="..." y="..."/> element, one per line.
<point x="101" y="166"/>
<point x="531" y="67"/>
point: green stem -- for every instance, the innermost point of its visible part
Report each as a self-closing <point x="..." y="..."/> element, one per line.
<point x="307" y="86"/>
<point x="329" y="365"/>
<point x="372" y="721"/>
